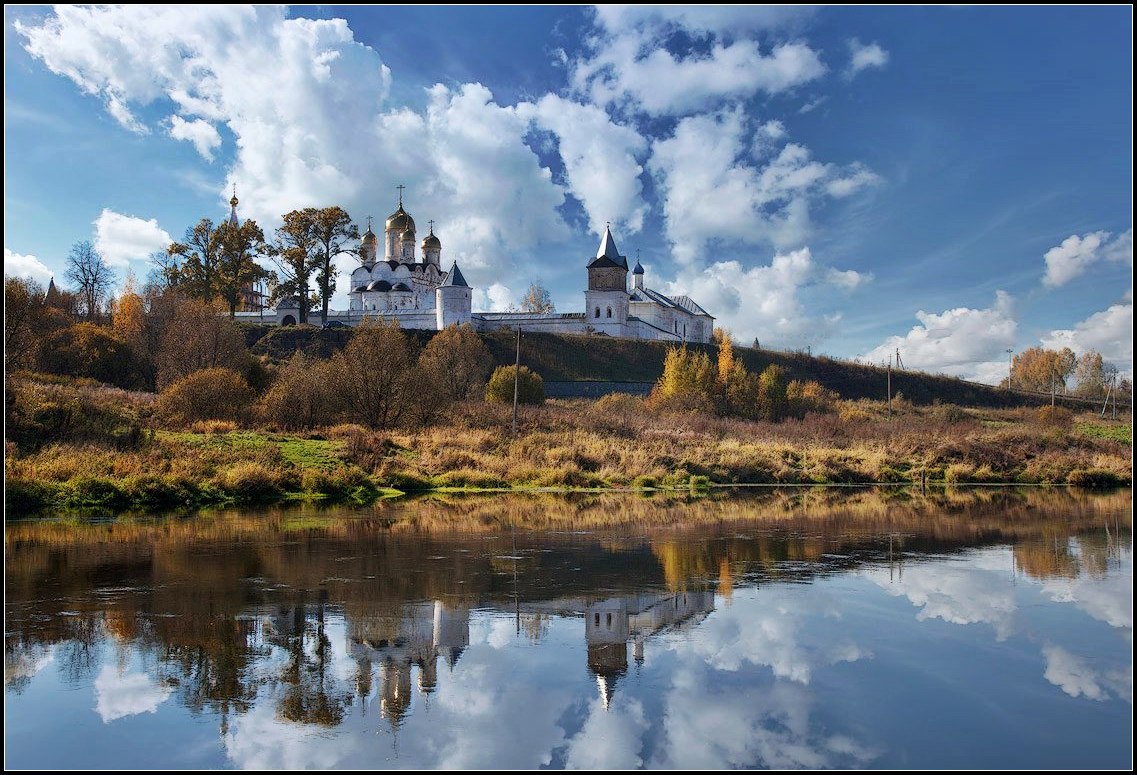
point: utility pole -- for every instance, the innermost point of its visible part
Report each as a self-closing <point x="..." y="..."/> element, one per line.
<point x="890" y="384"/>
<point x="516" y="376"/>
<point x="1010" y="366"/>
<point x="1106" y="404"/>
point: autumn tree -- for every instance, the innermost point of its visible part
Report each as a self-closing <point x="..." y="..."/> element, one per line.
<point x="332" y="230"/>
<point x="294" y="253"/>
<point x="301" y="396"/>
<point x="23" y="314"/>
<point x="457" y="362"/>
<point x="688" y="383"/>
<point x="237" y="268"/>
<point x="88" y="350"/>
<point x="89" y="274"/>
<point x="197" y="337"/>
<point x="200" y="254"/>
<point x="1092" y="374"/>
<point x="1042" y="370"/>
<point x="772" y="393"/>
<point x="374" y="376"/>
<point x="537" y="300"/>
<point x="128" y="313"/>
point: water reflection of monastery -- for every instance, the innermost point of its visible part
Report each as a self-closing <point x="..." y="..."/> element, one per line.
<point x="416" y="636"/>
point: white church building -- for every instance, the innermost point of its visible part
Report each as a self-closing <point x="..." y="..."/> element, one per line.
<point x="415" y="290"/>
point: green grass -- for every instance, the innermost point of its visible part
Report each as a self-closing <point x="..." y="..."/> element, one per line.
<point x="1102" y="430"/>
<point x="300" y="452"/>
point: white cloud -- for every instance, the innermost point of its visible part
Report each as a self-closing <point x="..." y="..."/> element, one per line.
<point x="119" y="694"/>
<point x="863" y="56"/>
<point x="1109" y="332"/>
<point x="29" y="267"/>
<point x="857" y="177"/>
<point x="124" y="238"/>
<point x="963" y="341"/>
<point x="956" y="592"/>
<point x="610" y="739"/>
<point x="766" y="301"/>
<point x="663" y="84"/>
<point x="1071" y="674"/>
<point x="848" y="279"/>
<point x="200" y="132"/>
<point x="630" y="64"/>
<point x="1075" y="255"/>
<point x="600" y="159"/>
<point x="712" y="191"/>
<point x="304" y="102"/>
<point x="703" y="18"/>
<point x="813" y="105"/>
<point x="496" y="298"/>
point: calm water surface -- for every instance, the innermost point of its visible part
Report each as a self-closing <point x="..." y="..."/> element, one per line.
<point x="803" y="629"/>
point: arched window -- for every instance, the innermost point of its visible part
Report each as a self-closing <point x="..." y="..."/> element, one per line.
<point x="684" y="330"/>
<point x="609" y="312"/>
<point x="597" y="312"/>
<point x="676" y="324"/>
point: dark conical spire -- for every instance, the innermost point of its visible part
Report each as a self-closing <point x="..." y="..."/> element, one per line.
<point x="607" y="251"/>
<point x="454" y="278"/>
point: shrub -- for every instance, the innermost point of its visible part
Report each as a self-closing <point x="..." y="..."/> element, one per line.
<point x="249" y="482"/>
<point x="1055" y="417"/>
<point x="530" y="386"/>
<point x="621" y="403"/>
<point x="210" y="394"/>
<point x="88" y="350"/>
<point x="301" y="397"/>
<point x="805" y="397"/>
<point x="1096" y="477"/>
<point x="948" y="413"/>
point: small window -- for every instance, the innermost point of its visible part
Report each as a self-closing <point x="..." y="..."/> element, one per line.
<point x="597" y="620"/>
<point x="609" y="312"/>
<point x="597" y="312"/>
<point x="609" y="622"/>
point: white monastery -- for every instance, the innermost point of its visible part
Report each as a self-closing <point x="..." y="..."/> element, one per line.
<point x="415" y="290"/>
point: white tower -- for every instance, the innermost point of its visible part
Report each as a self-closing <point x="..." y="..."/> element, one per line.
<point x="606" y="300"/>
<point x="453" y="300"/>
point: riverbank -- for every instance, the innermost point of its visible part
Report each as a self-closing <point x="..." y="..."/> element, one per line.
<point x="616" y="442"/>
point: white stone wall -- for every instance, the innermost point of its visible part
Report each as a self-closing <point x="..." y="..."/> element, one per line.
<point x="604" y="302"/>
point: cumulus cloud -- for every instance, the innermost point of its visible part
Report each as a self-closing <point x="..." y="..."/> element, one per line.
<point x="124" y="238"/>
<point x="610" y="739"/>
<point x="713" y="190"/>
<point x="862" y="56"/>
<point x="712" y="724"/>
<point x="27" y="266"/>
<point x="306" y="105"/>
<point x="600" y="159"/>
<point x="703" y="18"/>
<point x="200" y="132"/>
<point x="956" y="592"/>
<point x="629" y="63"/>
<point x="1071" y="674"/>
<point x="766" y="301"/>
<point x="660" y="83"/>
<point x="1076" y="254"/>
<point x="962" y="341"/>
<point x="119" y="694"/>
<point x="1109" y="332"/>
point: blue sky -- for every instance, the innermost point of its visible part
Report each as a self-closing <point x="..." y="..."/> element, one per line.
<point x="952" y="182"/>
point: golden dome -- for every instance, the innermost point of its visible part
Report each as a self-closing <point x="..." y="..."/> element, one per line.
<point x="431" y="241"/>
<point x="400" y="221"/>
<point x="368" y="236"/>
<point x="409" y="233"/>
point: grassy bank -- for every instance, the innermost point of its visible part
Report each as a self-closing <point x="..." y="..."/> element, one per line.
<point x="114" y="456"/>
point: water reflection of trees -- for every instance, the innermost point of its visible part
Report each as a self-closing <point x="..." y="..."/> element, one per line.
<point x="206" y="600"/>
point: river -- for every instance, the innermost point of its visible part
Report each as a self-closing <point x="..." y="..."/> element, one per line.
<point x="789" y="629"/>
